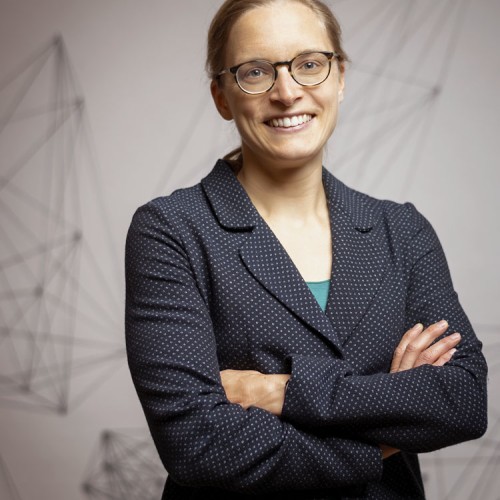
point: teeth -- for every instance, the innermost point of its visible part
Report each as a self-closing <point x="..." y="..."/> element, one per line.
<point x="288" y="122"/>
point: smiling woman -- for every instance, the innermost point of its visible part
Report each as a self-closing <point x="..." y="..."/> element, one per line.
<point x="274" y="33"/>
<point x="285" y="333"/>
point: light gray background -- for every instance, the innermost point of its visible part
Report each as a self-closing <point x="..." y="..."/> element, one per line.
<point x="148" y="126"/>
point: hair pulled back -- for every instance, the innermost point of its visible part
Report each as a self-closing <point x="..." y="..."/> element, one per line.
<point x="231" y="10"/>
<point x="229" y="13"/>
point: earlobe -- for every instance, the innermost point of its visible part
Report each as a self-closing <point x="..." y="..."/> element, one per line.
<point x="220" y="101"/>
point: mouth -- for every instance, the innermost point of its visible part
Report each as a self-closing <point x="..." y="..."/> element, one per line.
<point x="289" y="121"/>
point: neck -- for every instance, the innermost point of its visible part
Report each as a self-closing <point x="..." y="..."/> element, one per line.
<point x="284" y="190"/>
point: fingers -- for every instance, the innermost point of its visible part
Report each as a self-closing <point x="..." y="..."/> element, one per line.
<point x="421" y="342"/>
<point x="417" y="347"/>
<point x="439" y="353"/>
<point x="403" y="344"/>
<point x="444" y="358"/>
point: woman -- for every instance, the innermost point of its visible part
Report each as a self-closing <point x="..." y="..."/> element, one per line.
<point x="299" y="290"/>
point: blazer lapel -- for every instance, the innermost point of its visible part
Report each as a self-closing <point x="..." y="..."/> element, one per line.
<point x="359" y="262"/>
<point x="269" y="263"/>
<point x="358" y="266"/>
<point x="262" y="253"/>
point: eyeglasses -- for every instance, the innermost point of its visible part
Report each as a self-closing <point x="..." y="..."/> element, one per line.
<point x="307" y="69"/>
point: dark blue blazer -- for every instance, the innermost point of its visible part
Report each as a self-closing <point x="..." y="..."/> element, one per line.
<point x="209" y="287"/>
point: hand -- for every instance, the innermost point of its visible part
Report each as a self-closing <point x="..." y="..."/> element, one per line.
<point x="252" y="388"/>
<point x="415" y="347"/>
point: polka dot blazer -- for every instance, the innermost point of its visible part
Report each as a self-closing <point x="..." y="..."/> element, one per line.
<point x="209" y="287"/>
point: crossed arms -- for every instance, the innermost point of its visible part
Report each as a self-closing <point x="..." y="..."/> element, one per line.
<point x="332" y="421"/>
<point x="418" y="347"/>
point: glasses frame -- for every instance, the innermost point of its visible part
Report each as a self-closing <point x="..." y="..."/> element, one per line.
<point x="234" y="70"/>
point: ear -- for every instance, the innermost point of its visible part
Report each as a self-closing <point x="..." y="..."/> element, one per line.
<point x="220" y="100"/>
<point x="341" y="82"/>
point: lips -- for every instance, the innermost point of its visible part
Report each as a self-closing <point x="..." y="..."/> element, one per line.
<point x="289" y="121"/>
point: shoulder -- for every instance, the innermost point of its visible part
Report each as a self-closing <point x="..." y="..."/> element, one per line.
<point x="157" y="231"/>
<point x="379" y="211"/>
<point x="172" y="211"/>
<point x="180" y="202"/>
<point x="400" y="220"/>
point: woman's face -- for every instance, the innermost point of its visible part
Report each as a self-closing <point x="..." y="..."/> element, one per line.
<point x="279" y="32"/>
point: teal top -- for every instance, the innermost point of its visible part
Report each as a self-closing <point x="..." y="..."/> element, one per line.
<point x="320" y="291"/>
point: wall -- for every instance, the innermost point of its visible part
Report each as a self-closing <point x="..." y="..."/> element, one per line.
<point x="104" y="105"/>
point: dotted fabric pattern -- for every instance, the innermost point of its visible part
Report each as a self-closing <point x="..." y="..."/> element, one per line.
<point x="210" y="287"/>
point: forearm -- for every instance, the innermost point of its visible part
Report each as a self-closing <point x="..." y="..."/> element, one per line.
<point x="249" y="388"/>
<point x="417" y="410"/>
<point x="204" y="440"/>
<point x="201" y="437"/>
<point x="420" y="409"/>
<point x="252" y="388"/>
<point x="418" y="404"/>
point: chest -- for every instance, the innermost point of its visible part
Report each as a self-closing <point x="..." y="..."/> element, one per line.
<point x="309" y="246"/>
<point x="262" y="311"/>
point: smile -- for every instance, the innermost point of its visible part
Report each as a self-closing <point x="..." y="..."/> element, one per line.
<point x="289" y="121"/>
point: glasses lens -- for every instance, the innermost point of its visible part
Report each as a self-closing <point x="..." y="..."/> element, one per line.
<point x="255" y="77"/>
<point x="311" y="69"/>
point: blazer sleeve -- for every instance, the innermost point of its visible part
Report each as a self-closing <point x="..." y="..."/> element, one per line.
<point x="203" y="439"/>
<point x="417" y="410"/>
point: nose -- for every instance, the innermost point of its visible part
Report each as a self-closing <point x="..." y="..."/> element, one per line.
<point x="285" y="89"/>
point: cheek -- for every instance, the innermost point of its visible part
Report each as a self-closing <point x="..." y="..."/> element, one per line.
<point x="246" y="114"/>
<point x="331" y="109"/>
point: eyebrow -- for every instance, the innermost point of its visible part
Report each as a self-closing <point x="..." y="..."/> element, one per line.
<point x="269" y="60"/>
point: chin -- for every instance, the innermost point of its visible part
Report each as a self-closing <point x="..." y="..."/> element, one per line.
<point x="284" y="164"/>
<point x="287" y="155"/>
<point x="296" y="158"/>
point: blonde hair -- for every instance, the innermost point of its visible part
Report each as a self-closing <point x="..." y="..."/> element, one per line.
<point x="227" y="15"/>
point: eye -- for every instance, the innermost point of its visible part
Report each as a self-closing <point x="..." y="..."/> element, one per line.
<point x="310" y="65"/>
<point x="255" y="71"/>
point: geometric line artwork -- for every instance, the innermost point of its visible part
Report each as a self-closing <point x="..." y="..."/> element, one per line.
<point x="61" y="283"/>
<point x="401" y="53"/>
<point x="60" y="313"/>
<point x="8" y="489"/>
<point x="126" y="466"/>
<point x="470" y="471"/>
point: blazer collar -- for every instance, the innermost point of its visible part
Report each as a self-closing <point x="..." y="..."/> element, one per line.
<point x="234" y="209"/>
<point x="228" y="199"/>
<point x="358" y="262"/>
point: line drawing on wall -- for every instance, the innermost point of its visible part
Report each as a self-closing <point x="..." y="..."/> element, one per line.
<point x="470" y="471"/>
<point x="8" y="490"/>
<point x="60" y="282"/>
<point x="125" y="465"/>
<point x="401" y="53"/>
<point x="58" y="338"/>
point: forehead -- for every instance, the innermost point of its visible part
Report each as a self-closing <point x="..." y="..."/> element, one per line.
<point x="278" y="31"/>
